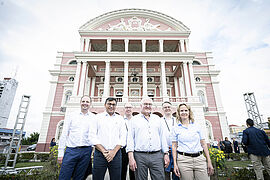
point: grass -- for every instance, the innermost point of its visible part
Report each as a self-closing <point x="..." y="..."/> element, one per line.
<point x="231" y="164"/>
<point x="27" y="164"/>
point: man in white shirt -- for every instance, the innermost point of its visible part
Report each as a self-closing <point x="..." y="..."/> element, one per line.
<point x="146" y="144"/>
<point x="127" y="116"/>
<point x="109" y="136"/>
<point x="75" y="138"/>
<point x="169" y="122"/>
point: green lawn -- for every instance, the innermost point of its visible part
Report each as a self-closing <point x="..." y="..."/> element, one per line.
<point x="237" y="163"/>
<point x="27" y="164"/>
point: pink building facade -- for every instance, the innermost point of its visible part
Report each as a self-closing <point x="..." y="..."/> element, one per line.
<point x="130" y="54"/>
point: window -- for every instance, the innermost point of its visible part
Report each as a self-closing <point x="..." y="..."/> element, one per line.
<point x="73" y="62"/>
<point x="202" y="97"/>
<point x="59" y="129"/>
<point x="119" y="79"/>
<point x="67" y="96"/>
<point x="197" y="79"/>
<point x="150" y="79"/>
<point x="71" y="78"/>
<point x="135" y="79"/>
<point x="196" y="63"/>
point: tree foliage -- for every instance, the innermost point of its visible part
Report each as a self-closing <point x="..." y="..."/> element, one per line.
<point x="32" y="139"/>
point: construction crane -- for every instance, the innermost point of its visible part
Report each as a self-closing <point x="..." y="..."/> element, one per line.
<point x="252" y="109"/>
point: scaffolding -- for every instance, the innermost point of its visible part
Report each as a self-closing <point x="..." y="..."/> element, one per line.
<point x="252" y="109"/>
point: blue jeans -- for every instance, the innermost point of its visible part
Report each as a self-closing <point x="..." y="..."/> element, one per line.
<point x="75" y="163"/>
<point x="101" y="164"/>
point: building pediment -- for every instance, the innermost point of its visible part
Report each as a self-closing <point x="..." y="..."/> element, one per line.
<point x="134" y="20"/>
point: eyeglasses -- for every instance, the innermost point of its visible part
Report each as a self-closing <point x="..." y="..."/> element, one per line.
<point x="128" y="107"/>
<point x="147" y="104"/>
<point x="167" y="107"/>
<point x="111" y="104"/>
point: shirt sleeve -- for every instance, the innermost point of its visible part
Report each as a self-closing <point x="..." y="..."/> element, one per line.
<point x="91" y="129"/>
<point x="201" y="132"/>
<point x="130" y="136"/>
<point x="163" y="138"/>
<point x="266" y="139"/>
<point x="94" y="131"/>
<point x="245" y="138"/>
<point x="64" y="135"/>
<point x="123" y="132"/>
<point x="173" y="135"/>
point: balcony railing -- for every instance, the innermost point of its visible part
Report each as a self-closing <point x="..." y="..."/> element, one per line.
<point x="155" y="99"/>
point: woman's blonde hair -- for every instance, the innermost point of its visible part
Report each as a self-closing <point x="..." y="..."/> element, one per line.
<point x="178" y="118"/>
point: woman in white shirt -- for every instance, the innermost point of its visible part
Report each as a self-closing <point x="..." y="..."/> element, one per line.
<point x="188" y="144"/>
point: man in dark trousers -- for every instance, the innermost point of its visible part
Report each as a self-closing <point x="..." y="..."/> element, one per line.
<point x="258" y="144"/>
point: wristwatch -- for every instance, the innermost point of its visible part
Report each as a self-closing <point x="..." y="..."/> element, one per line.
<point x="166" y="153"/>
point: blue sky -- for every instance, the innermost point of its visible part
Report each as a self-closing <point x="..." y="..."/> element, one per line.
<point x="236" y="31"/>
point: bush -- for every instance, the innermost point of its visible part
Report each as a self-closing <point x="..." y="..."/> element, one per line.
<point x="43" y="156"/>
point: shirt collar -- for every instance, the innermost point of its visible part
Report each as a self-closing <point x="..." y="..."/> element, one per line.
<point x="106" y="114"/>
<point x="84" y="114"/>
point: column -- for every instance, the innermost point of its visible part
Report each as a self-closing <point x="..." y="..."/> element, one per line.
<point x="77" y="78"/>
<point x="161" y="45"/>
<point x="126" y="45"/>
<point x="163" y="81"/>
<point x="87" y="44"/>
<point x="182" y="45"/>
<point x="82" y="43"/>
<point x="187" y="83"/>
<point x="187" y="45"/>
<point x="176" y="87"/>
<point x="109" y="45"/>
<point x="93" y="86"/>
<point x="106" y="90"/>
<point x="83" y="78"/>
<point x="143" y="45"/>
<point x="125" y="95"/>
<point x="144" y="63"/>
<point x="192" y="81"/>
<point x="182" y="87"/>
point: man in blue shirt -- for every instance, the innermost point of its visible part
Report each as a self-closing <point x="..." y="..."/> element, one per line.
<point x="147" y="145"/>
<point x="258" y="144"/>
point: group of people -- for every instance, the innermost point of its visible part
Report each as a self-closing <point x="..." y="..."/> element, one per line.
<point x="168" y="147"/>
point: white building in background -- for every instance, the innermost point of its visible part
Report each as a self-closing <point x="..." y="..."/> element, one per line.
<point x="8" y="89"/>
<point x="130" y="54"/>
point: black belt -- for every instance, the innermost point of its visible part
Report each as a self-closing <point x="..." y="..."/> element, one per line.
<point x="79" y="147"/>
<point x="147" y="152"/>
<point x="190" y="154"/>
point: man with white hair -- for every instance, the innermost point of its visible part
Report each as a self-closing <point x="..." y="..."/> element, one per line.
<point x="146" y="144"/>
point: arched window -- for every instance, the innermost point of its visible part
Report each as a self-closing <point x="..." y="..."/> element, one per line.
<point x="59" y="130"/>
<point x="67" y="96"/>
<point x="209" y="130"/>
<point x="73" y="62"/>
<point x="202" y="97"/>
<point x="196" y="63"/>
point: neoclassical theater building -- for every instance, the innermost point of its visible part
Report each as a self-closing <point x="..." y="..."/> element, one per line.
<point x="130" y="54"/>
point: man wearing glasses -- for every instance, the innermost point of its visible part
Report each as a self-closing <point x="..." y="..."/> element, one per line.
<point x="146" y="144"/>
<point x="127" y="116"/>
<point x="109" y="136"/>
<point x="169" y="122"/>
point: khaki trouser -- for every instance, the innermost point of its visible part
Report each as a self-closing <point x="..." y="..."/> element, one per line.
<point x="192" y="167"/>
<point x="257" y="162"/>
